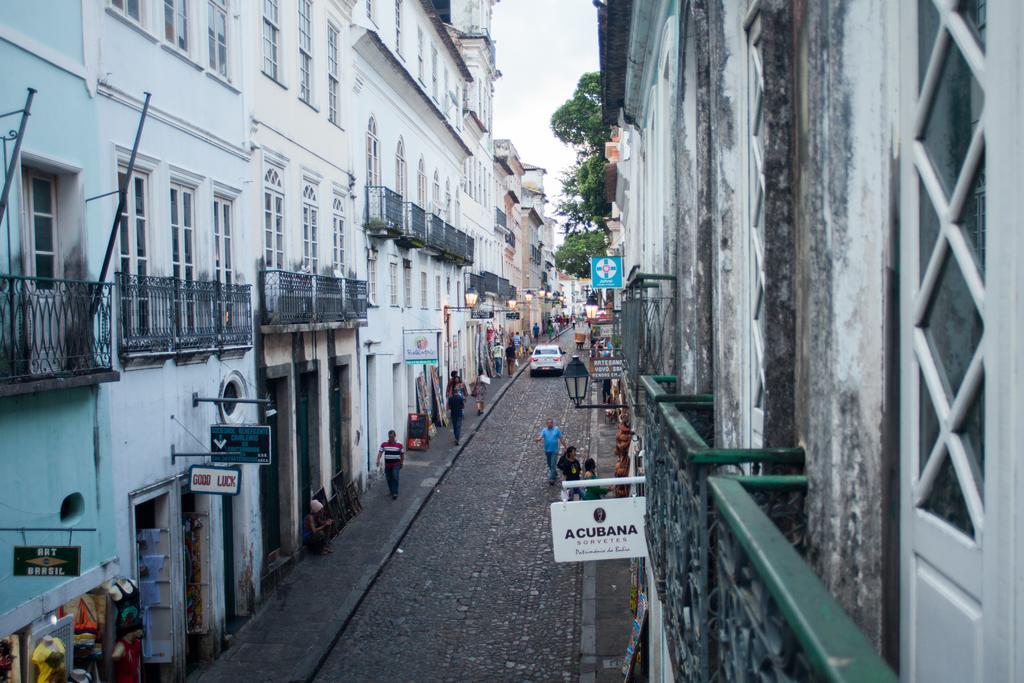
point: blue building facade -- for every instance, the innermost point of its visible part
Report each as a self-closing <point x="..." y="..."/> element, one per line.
<point x="55" y="321"/>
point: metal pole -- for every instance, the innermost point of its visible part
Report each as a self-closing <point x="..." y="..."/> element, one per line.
<point x="122" y="190"/>
<point x="610" y="481"/>
<point x="12" y="167"/>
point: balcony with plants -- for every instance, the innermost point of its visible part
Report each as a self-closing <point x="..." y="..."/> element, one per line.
<point x="385" y="212"/>
<point x="53" y="333"/>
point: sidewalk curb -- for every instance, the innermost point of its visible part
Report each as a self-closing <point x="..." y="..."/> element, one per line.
<point x="369" y="578"/>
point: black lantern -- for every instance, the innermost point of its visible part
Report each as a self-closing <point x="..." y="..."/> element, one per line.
<point x="471" y="297"/>
<point x="577" y="380"/>
<point x="591" y="307"/>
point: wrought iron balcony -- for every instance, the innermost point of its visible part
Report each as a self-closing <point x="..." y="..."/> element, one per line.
<point x="415" y="229"/>
<point x="500" y="219"/>
<point x="384" y="212"/>
<point x="170" y="315"/>
<point x="53" y="328"/>
<point x="436" y="233"/>
<point x="491" y="283"/>
<point x="726" y="529"/>
<point x="303" y="298"/>
<point x="535" y="255"/>
<point x="648" y="317"/>
<point x="476" y="282"/>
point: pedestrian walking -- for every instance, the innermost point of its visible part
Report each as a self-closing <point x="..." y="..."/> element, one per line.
<point x="479" y="393"/>
<point x="457" y="407"/>
<point x="453" y="383"/>
<point x="313" y="534"/>
<point x="536" y="330"/>
<point x="551" y="331"/>
<point x="393" y="453"/>
<point x="510" y="357"/>
<point x="590" y="472"/>
<point x="517" y="341"/>
<point x="552" y="437"/>
<point x="498" y="352"/>
<point x="571" y="469"/>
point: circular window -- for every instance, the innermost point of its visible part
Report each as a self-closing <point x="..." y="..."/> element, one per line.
<point x="71" y="509"/>
<point x="232" y="387"/>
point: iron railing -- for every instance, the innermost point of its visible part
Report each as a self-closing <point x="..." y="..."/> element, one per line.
<point x="505" y="289"/>
<point x="53" y="328"/>
<point x="303" y="298"/>
<point x="491" y="283"/>
<point x="648" y="322"/>
<point x="435" y="232"/>
<point x="535" y="255"/>
<point x="725" y="532"/>
<point x="383" y="210"/>
<point x="476" y="282"/>
<point x="500" y="219"/>
<point x="415" y="231"/>
<point x="171" y="315"/>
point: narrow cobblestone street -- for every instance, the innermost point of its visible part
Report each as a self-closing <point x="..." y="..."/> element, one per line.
<point x="474" y="593"/>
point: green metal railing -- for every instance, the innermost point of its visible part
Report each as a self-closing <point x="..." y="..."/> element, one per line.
<point x="686" y="541"/>
<point x="648" y="324"/>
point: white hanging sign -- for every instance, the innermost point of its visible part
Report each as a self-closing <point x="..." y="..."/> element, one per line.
<point x="598" y="529"/>
<point x="224" y="481"/>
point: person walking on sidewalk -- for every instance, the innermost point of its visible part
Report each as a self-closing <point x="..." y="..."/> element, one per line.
<point x="590" y="472"/>
<point x="394" y="457"/>
<point x="571" y="469"/>
<point x="536" y="331"/>
<point x="457" y="406"/>
<point x="498" y="352"/>
<point x="479" y="393"/>
<point x="552" y="438"/>
<point x="510" y="357"/>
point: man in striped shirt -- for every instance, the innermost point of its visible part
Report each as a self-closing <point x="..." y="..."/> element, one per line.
<point x="394" y="457"/>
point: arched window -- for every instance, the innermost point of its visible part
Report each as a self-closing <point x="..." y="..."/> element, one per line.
<point x="448" y="200"/>
<point x="372" y="153"/>
<point x="400" y="168"/>
<point x="421" y="184"/>
<point x="436" y="208"/>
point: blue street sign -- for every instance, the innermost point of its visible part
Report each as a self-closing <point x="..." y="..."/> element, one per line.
<point x="606" y="272"/>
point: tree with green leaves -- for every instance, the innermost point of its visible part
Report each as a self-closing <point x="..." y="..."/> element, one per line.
<point x="573" y="257"/>
<point x="577" y="123"/>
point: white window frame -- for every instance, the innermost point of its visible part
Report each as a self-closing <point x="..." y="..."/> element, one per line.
<point x="176" y="33"/>
<point x="407" y="283"/>
<point x="421" y="184"/>
<point x="393" y="283"/>
<point x="33" y="251"/>
<point x="433" y="74"/>
<point x="217" y="61"/>
<point x="271" y="40"/>
<point x="371" y="276"/>
<point x="400" y="168"/>
<point x="182" y="222"/>
<point x="273" y="217"/>
<point x="305" y="45"/>
<point x="436" y="196"/>
<point x="437" y="292"/>
<point x="122" y="7"/>
<point x="333" y="80"/>
<point x="338" y="235"/>
<point x="420" y="59"/>
<point x="398" y="27"/>
<point x="223" y="239"/>
<point x="424" y="293"/>
<point x="372" y="153"/>
<point x="133" y="260"/>
<point x="310" y="226"/>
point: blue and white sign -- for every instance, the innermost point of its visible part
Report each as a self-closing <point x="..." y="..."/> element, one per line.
<point x="606" y="272"/>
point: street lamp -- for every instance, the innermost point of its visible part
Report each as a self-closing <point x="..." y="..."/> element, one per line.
<point x="577" y="381"/>
<point x="591" y="307"/>
<point x="529" y="296"/>
<point x="512" y="303"/>
<point x="471" y="297"/>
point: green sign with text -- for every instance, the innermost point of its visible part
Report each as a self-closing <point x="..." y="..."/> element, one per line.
<point x="47" y="560"/>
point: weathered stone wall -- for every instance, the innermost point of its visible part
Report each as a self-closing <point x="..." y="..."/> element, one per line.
<point x="844" y="193"/>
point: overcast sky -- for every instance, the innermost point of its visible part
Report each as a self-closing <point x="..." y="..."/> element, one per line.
<point x="543" y="46"/>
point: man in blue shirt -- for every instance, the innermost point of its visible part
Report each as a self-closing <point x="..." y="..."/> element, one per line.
<point x="552" y="437"/>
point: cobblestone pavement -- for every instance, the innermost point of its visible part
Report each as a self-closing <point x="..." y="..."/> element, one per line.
<point x="474" y="594"/>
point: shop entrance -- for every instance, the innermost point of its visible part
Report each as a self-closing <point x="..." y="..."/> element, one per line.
<point x="341" y="422"/>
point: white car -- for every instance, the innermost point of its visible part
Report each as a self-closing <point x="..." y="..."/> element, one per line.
<point x="547" y="358"/>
